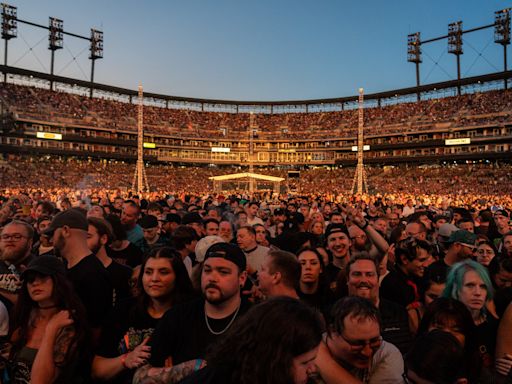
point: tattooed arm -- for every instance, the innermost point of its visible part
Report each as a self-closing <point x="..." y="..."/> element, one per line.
<point x="53" y="350"/>
<point x="150" y="375"/>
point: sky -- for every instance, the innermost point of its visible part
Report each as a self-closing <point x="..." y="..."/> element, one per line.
<point x="259" y="50"/>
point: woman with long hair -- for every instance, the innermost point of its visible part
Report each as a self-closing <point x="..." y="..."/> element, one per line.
<point x="50" y="342"/>
<point x="275" y="342"/>
<point x="163" y="282"/>
<point x="469" y="282"/>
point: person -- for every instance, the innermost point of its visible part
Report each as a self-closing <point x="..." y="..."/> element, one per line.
<point x="124" y="345"/>
<point x="338" y="244"/>
<point x="211" y="226"/>
<point x="120" y="249"/>
<point x="50" y="342"/>
<point x="460" y="246"/>
<point x="89" y="277"/>
<point x="469" y="283"/>
<point x="485" y="252"/>
<point x="195" y="221"/>
<point x="129" y="216"/>
<point x="434" y="358"/>
<point x="186" y="330"/>
<point x="279" y="274"/>
<point x="504" y="344"/>
<point x="276" y="342"/>
<point x="99" y="236"/>
<point x="226" y="231"/>
<point x="251" y="211"/>
<point x="15" y="249"/>
<point x="353" y="351"/>
<point x="185" y="239"/>
<point x="363" y="281"/>
<point x="151" y="232"/>
<point x="255" y="253"/>
<point x="313" y="288"/>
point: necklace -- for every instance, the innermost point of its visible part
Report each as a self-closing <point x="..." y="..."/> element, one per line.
<point x="227" y="326"/>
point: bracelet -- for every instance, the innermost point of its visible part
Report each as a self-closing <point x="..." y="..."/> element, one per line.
<point x="365" y="225"/>
<point x="123" y="360"/>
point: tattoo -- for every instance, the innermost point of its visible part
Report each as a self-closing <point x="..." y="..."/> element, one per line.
<point x="62" y="345"/>
<point x="150" y="375"/>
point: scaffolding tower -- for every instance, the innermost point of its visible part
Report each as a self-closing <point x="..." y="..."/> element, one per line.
<point x="140" y="179"/>
<point x="251" y="150"/>
<point x="360" y="184"/>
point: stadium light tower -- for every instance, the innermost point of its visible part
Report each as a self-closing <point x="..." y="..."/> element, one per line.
<point x="414" y="55"/>
<point x="360" y="184"/>
<point x="502" y="34"/>
<point x="251" y="151"/>
<point x="96" y="49"/>
<point x="9" y="27"/>
<point x="140" y="179"/>
<point x="455" y="45"/>
<point x="55" y="41"/>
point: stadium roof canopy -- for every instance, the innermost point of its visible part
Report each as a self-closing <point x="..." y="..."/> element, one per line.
<point x="234" y="176"/>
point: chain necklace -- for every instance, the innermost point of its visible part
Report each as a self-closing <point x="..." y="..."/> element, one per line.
<point x="227" y="326"/>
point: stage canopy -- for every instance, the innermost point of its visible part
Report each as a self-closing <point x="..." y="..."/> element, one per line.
<point x="235" y="180"/>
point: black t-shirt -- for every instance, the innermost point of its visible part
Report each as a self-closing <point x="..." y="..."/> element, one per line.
<point x="395" y="325"/>
<point x="120" y="277"/>
<point x="183" y="334"/>
<point x="131" y="255"/>
<point x="92" y="284"/>
<point x="127" y="325"/>
<point x="395" y="287"/>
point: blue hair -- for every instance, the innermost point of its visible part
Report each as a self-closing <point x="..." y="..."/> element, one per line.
<point x="455" y="279"/>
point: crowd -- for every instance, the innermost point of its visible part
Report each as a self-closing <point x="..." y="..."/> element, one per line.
<point x="491" y="107"/>
<point x="412" y="283"/>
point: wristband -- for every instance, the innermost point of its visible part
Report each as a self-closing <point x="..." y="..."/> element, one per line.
<point x="123" y="360"/>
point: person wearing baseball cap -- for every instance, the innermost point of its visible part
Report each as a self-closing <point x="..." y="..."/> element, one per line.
<point x="460" y="246"/>
<point x="338" y="244"/>
<point x="186" y="331"/>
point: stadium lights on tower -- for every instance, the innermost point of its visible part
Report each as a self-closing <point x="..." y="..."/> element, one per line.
<point x="96" y="50"/>
<point x="455" y="45"/>
<point x="502" y="34"/>
<point x="414" y="55"/>
<point x="55" y="40"/>
<point x="140" y="179"/>
<point x="360" y="184"/>
<point x="9" y="27"/>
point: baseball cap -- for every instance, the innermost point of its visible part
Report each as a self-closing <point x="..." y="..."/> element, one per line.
<point x="501" y="212"/>
<point x="45" y="265"/>
<point x="71" y="218"/>
<point x="172" y="218"/>
<point x="229" y="252"/>
<point x="335" y="228"/>
<point x="463" y="237"/>
<point x="436" y="218"/>
<point x="203" y="245"/>
<point x="148" y="221"/>
<point x="446" y="229"/>
<point x="191" y="217"/>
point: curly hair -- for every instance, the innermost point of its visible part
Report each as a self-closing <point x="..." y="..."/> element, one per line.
<point x="260" y="348"/>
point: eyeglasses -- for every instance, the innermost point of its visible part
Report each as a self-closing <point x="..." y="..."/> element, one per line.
<point x="359" y="345"/>
<point x="13" y="237"/>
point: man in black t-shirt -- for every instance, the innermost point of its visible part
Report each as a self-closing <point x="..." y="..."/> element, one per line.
<point x="90" y="279"/>
<point x="186" y="330"/>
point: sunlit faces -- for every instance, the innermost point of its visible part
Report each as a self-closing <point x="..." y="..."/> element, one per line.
<point x="265" y="276"/>
<point x="158" y="277"/>
<point x="415" y="230"/>
<point x="40" y="289"/>
<point x="339" y="244"/>
<point x="212" y="228"/>
<point x="261" y="234"/>
<point x="417" y="266"/>
<point x="129" y="216"/>
<point x="221" y="280"/>
<point x="473" y="293"/>
<point x="484" y="254"/>
<point x="225" y="230"/>
<point x="501" y="221"/>
<point x="14" y="242"/>
<point x="94" y="240"/>
<point x="363" y="280"/>
<point x="357" y="343"/>
<point x="317" y="228"/>
<point x="310" y="267"/>
<point x="246" y="240"/>
<point x="303" y="366"/>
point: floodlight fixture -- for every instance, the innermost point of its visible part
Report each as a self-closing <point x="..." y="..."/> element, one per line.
<point x="9" y="21"/>
<point x="414" y="48"/>
<point x="96" y="48"/>
<point x="502" y="27"/>
<point x="56" y="34"/>
<point x="455" y="38"/>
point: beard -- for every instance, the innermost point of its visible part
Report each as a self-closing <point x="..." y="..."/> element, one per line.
<point x="214" y="295"/>
<point x="13" y="255"/>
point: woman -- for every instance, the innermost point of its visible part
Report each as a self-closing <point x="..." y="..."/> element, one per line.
<point x="485" y="253"/>
<point x="313" y="289"/>
<point x="275" y="342"/>
<point x="51" y="339"/>
<point x="164" y="282"/>
<point x="469" y="282"/>
<point x="317" y="228"/>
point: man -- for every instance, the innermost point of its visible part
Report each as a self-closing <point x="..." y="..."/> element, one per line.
<point x="226" y="231"/>
<point x="187" y="330"/>
<point x="211" y="226"/>
<point x="88" y="276"/>
<point x="417" y="230"/>
<point x="252" y="211"/>
<point x="170" y="222"/>
<point x="506" y="244"/>
<point x="15" y="252"/>
<point x="194" y="220"/>
<point x="338" y="244"/>
<point x="279" y="274"/>
<point x="279" y="217"/>
<point x="500" y="271"/>
<point x="129" y="216"/>
<point x="185" y="239"/>
<point x="99" y="236"/>
<point x="363" y="281"/>
<point x="364" y="236"/>
<point x="408" y="208"/>
<point x="353" y="350"/>
<point x="460" y="246"/>
<point x="151" y="231"/>
<point x="467" y="223"/>
<point x="246" y="239"/>
<point x="393" y="221"/>
<point x="501" y="218"/>
<point x="261" y="235"/>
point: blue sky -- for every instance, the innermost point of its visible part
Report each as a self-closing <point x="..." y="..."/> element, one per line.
<point x="258" y="50"/>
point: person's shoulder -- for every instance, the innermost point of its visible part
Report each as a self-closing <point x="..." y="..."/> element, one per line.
<point x="387" y="351"/>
